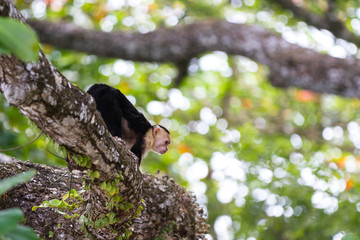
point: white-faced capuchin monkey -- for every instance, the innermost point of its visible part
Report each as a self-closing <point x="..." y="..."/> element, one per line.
<point x="125" y="121"/>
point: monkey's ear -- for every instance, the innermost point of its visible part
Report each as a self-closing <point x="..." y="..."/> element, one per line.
<point x="156" y="129"/>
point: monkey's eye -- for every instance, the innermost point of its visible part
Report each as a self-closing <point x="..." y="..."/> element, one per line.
<point x="167" y="142"/>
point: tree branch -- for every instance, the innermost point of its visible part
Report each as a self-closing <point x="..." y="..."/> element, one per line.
<point x="289" y="64"/>
<point x="69" y="116"/>
<point x="166" y="204"/>
<point x="329" y="21"/>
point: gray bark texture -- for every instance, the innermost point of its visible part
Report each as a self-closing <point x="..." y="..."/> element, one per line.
<point x="68" y="116"/>
<point x="166" y="203"/>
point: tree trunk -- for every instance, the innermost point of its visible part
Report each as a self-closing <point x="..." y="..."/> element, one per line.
<point x="109" y="171"/>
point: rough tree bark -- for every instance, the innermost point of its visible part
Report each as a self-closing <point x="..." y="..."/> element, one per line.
<point x="166" y="204"/>
<point x="68" y="116"/>
<point x="289" y="64"/>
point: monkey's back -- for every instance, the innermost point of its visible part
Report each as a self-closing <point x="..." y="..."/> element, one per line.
<point x="113" y="106"/>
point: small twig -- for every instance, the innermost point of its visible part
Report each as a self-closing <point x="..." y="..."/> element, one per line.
<point x="71" y="179"/>
<point x="59" y="178"/>
<point x="55" y="155"/>
<point x="65" y="172"/>
<point x="18" y="147"/>
<point x="68" y="156"/>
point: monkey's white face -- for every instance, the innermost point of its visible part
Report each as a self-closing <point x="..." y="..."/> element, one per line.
<point x="161" y="141"/>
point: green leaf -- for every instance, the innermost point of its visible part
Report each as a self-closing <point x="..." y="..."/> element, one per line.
<point x="113" y="191"/>
<point x="351" y="237"/>
<point x="21" y="233"/>
<point x="138" y="211"/>
<point x="55" y="202"/>
<point x="60" y="212"/>
<point x="11" y="182"/>
<point x="111" y="216"/>
<point x="74" y="192"/>
<point x="4" y="51"/>
<point x="9" y="219"/>
<point x="108" y="187"/>
<point x="117" y="198"/>
<point x="19" y="39"/>
<point x="88" y="164"/>
<point x="98" y="223"/>
<point x="129" y="205"/>
<point x="66" y="196"/>
<point x="103" y="185"/>
<point x="45" y="204"/>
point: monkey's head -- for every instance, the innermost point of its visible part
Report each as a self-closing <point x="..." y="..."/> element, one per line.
<point x="161" y="139"/>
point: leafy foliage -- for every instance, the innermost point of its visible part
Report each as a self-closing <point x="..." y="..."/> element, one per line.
<point x="10" y="218"/>
<point x="19" y="39"/>
<point x="69" y="202"/>
<point x="10" y="228"/>
<point x="11" y="182"/>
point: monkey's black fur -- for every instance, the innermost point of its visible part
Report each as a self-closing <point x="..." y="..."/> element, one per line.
<point x="113" y="105"/>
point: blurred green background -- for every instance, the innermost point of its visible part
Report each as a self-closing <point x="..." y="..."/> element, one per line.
<point x="266" y="163"/>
